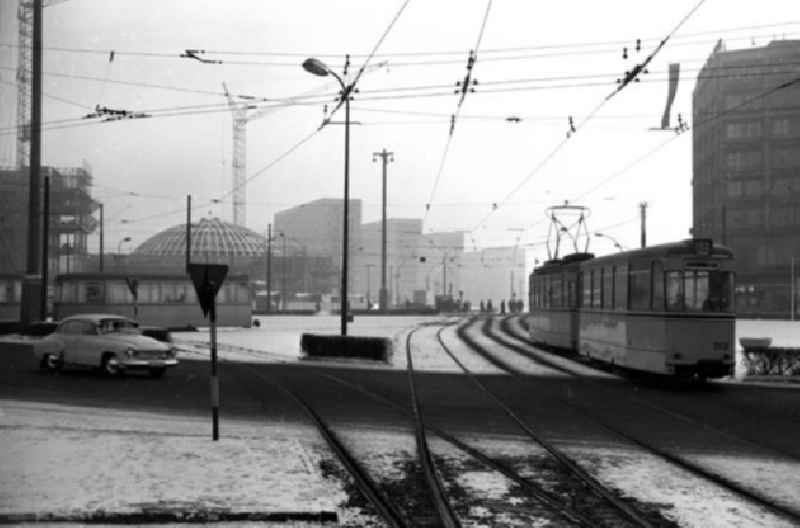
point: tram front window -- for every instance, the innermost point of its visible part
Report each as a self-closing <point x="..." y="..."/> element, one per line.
<point x="699" y="291"/>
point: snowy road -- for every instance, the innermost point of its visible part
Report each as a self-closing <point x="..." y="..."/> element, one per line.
<point x="77" y="443"/>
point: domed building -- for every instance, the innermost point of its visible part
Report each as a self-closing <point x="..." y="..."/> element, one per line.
<point x="212" y="240"/>
<point x="215" y="241"/>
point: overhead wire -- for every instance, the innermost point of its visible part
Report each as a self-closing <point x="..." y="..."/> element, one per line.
<point x="465" y="88"/>
<point x="487" y="51"/>
<point x="574" y="128"/>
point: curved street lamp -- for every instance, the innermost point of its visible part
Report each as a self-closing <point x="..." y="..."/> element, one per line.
<point x="612" y="239"/>
<point x="119" y="246"/>
<point x="319" y="68"/>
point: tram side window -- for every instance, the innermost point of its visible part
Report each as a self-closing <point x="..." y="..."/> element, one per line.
<point x="597" y="288"/>
<point x="586" y="282"/>
<point x="621" y="288"/>
<point x="640" y="287"/>
<point x="657" y="273"/>
<point x="556" y="288"/>
<point x="571" y="298"/>
<point x="608" y="288"/>
<point x="675" y="291"/>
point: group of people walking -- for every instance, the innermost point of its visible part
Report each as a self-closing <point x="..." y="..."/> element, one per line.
<point x="514" y="306"/>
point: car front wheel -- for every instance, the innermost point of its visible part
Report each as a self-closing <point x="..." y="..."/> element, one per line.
<point x="51" y="362"/>
<point x="110" y="365"/>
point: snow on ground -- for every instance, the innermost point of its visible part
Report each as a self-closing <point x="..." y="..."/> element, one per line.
<point x="472" y="361"/>
<point x="427" y="353"/>
<point x="67" y="460"/>
<point x="277" y="339"/>
<point x="573" y="366"/>
<point x="778" y="479"/>
<point x="688" y="500"/>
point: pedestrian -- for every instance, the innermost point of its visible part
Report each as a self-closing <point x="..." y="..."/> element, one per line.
<point x="489" y="307"/>
<point x="483" y="307"/>
<point x="502" y="306"/>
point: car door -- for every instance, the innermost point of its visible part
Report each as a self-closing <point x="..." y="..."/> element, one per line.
<point x="88" y="344"/>
<point x="66" y="334"/>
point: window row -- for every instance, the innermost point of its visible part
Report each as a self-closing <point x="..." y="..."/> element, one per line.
<point x="642" y="287"/>
<point x="149" y="292"/>
<point x="10" y="290"/>
<point x="783" y="127"/>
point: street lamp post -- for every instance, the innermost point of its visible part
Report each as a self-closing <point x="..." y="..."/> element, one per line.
<point x="119" y="246"/>
<point x="317" y="67"/>
<point x="369" y="284"/>
<point x="612" y="239"/>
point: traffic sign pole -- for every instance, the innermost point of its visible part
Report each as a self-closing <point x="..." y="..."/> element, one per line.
<point x="207" y="279"/>
<point x="214" y="377"/>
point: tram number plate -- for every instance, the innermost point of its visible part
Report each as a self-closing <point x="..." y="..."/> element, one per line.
<point x="720" y="346"/>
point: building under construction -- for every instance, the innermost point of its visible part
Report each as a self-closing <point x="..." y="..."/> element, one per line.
<point x="71" y="219"/>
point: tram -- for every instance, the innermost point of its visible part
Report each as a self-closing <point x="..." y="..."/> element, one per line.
<point x="666" y="309"/>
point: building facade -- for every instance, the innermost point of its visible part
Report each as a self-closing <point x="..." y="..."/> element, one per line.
<point x="746" y="156"/>
<point x="316" y="228"/>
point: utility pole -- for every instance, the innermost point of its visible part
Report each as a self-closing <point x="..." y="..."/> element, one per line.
<point x="102" y="228"/>
<point x="383" y="296"/>
<point x="793" y="292"/>
<point x="643" y="215"/>
<point x="188" y="231"/>
<point x="33" y="279"/>
<point x="46" y="248"/>
<point x="283" y="270"/>
<point x="269" y="268"/>
<point x="444" y="275"/>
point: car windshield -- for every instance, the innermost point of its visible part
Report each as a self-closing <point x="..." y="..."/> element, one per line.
<point x="121" y="326"/>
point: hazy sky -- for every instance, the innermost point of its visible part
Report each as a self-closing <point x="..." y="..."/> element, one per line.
<point x="579" y="43"/>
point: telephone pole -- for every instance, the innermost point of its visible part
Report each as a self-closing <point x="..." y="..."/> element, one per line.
<point x="33" y="279"/>
<point x="383" y="295"/>
<point x="643" y="215"/>
<point x="269" y="268"/>
<point x="102" y="236"/>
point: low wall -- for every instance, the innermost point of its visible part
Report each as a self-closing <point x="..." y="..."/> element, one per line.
<point x="771" y="361"/>
<point x="335" y="346"/>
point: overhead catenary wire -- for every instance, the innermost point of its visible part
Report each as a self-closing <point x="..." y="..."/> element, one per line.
<point x="428" y="53"/>
<point x="465" y="88"/>
<point x="576" y="127"/>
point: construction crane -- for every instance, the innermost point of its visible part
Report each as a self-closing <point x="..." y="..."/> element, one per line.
<point x="240" y="106"/>
<point x="24" y="73"/>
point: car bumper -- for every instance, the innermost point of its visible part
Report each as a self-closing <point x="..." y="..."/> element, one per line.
<point x="147" y="363"/>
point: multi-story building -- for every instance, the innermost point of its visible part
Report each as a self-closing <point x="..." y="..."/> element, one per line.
<point x="316" y="228"/>
<point x="747" y="168"/>
<point x="403" y="237"/>
<point x="70" y="222"/>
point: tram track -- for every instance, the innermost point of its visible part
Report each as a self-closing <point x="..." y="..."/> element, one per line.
<point x="558" y="509"/>
<point x="505" y="328"/>
<point x="676" y="460"/>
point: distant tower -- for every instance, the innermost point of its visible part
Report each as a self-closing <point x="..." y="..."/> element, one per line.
<point x="24" y="68"/>
<point x="239" y="112"/>
<point x="24" y="72"/>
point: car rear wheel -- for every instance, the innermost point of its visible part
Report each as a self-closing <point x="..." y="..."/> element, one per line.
<point x="51" y="362"/>
<point x="110" y="366"/>
<point x="157" y="372"/>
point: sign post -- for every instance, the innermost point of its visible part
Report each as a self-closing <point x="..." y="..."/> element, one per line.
<point x="207" y="279"/>
<point x="133" y="286"/>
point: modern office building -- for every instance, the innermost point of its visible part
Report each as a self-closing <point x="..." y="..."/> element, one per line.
<point x="746" y="182"/>
<point x="316" y="227"/>
<point x="403" y="237"/>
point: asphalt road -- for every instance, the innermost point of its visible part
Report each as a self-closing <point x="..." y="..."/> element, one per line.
<point x="746" y="420"/>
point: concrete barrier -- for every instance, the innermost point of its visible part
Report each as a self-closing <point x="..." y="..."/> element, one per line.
<point x="335" y="346"/>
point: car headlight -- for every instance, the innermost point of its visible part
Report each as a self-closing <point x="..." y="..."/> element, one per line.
<point x="130" y="352"/>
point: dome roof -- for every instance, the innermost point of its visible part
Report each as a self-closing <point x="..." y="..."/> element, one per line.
<point x="210" y="236"/>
